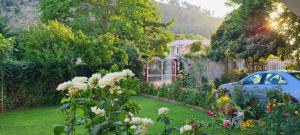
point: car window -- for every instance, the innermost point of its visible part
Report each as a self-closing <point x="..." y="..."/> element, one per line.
<point x="254" y="79"/>
<point x="296" y="75"/>
<point x="274" y="79"/>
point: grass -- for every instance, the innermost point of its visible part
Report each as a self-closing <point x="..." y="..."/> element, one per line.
<point x="40" y="121"/>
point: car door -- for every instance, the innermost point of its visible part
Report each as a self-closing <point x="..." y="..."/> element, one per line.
<point x="272" y="81"/>
<point x="251" y="84"/>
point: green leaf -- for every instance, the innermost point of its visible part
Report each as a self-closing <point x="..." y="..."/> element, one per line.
<point x="167" y="122"/>
<point x="80" y="111"/>
<point x="118" y="123"/>
<point x="64" y="100"/>
<point x="97" y="128"/>
<point x="58" y="130"/>
<point x="132" y="92"/>
<point x="170" y="130"/>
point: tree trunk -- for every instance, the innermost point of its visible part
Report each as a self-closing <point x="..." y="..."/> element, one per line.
<point x="247" y="63"/>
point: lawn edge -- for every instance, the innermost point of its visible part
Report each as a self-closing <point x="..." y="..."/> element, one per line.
<point x="174" y="102"/>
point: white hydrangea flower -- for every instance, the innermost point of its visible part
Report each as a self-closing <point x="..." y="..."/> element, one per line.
<point x="163" y="111"/>
<point x="139" y="125"/>
<point x="127" y="120"/>
<point x="130" y="114"/>
<point x="64" y="86"/>
<point x="79" y="85"/>
<point x="110" y="78"/>
<point x="93" y="80"/>
<point x="186" y="128"/>
<point x="127" y="72"/>
<point x="107" y="80"/>
<point x="98" y="111"/>
<point x="136" y="120"/>
<point x="75" y="87"/>
<point x="73" y="92"/>
<point x="133" y="127"/>
<point x="147" y="121"/>
<point x="115" y="89"/>
<point x="80" y="79"/>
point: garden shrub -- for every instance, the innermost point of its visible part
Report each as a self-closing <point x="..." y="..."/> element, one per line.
<point x="282" y="116"/>
<point x="102" y="105"/>
<point x="149" y="89"/>
<point x="163" y="91"/>
<point x="31" y="88"/>
<point x="230" y="76"/>
<point x="188" y="96"/>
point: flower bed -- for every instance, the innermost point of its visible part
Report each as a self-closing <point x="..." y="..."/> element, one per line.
<point x="104" y="107"/>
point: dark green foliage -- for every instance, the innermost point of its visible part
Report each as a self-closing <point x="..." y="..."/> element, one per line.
<point x="31" y="89"/>
<point x="148" y="89"/>
<point x="197" y="46"/>
<point x="189" y="96"/>
<point x="135" y="61"/>
<point x="230" y="76"/>
<point x="176" y="92"/>
<point x="137" y="22"/>
<point x="50" y="54"/>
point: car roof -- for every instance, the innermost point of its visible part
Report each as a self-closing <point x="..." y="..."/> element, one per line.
<point x="279" y="71"/>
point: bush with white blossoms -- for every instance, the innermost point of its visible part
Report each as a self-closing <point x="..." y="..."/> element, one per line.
<point x="99" y="103"/>
<point x="186" y="129"/>
<point x="138" y="125"/>
<point x="163" y="111"/>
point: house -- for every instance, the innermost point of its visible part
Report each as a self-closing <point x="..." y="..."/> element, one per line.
<point x="164" y="71"/>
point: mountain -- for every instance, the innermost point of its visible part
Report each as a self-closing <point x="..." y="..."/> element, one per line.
<point x="20" y="13"/>
<point x="189" y="19"/>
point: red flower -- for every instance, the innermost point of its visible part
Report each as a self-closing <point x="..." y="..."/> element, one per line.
<point x="270" y="107"/>
<point x="211" y="113"/>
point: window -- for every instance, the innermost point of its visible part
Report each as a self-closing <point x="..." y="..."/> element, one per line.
<point x="254" y="79"/>
<point x="274" y="79"/>
<point x="296" y="75"/>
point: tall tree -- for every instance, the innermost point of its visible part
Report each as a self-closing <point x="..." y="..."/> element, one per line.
<point x="287" y="24"/>
<point x="136" y="21"/>
<point x="246" y="34"/>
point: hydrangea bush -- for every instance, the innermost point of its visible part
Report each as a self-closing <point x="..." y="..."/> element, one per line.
<point x="101" y="105"/>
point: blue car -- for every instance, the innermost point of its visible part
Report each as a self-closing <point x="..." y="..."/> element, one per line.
<point x="259" y="83"/>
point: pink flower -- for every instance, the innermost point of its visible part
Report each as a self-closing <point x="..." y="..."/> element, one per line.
<point x="211" y="113"/>
<point x="226" y="123"/>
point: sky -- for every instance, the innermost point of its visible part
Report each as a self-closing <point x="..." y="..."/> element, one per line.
<point x="218" y="7"/>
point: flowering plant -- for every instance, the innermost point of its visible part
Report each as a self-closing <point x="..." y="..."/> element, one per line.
<point x="101" y="105"/>
<point x="164" y="118"/>
<point x="282" y="115"/>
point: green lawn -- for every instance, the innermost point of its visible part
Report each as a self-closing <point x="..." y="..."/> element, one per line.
<point x="40" y="121"/>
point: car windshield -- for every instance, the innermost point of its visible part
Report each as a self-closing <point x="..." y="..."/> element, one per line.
<point x="296" y="75"/>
